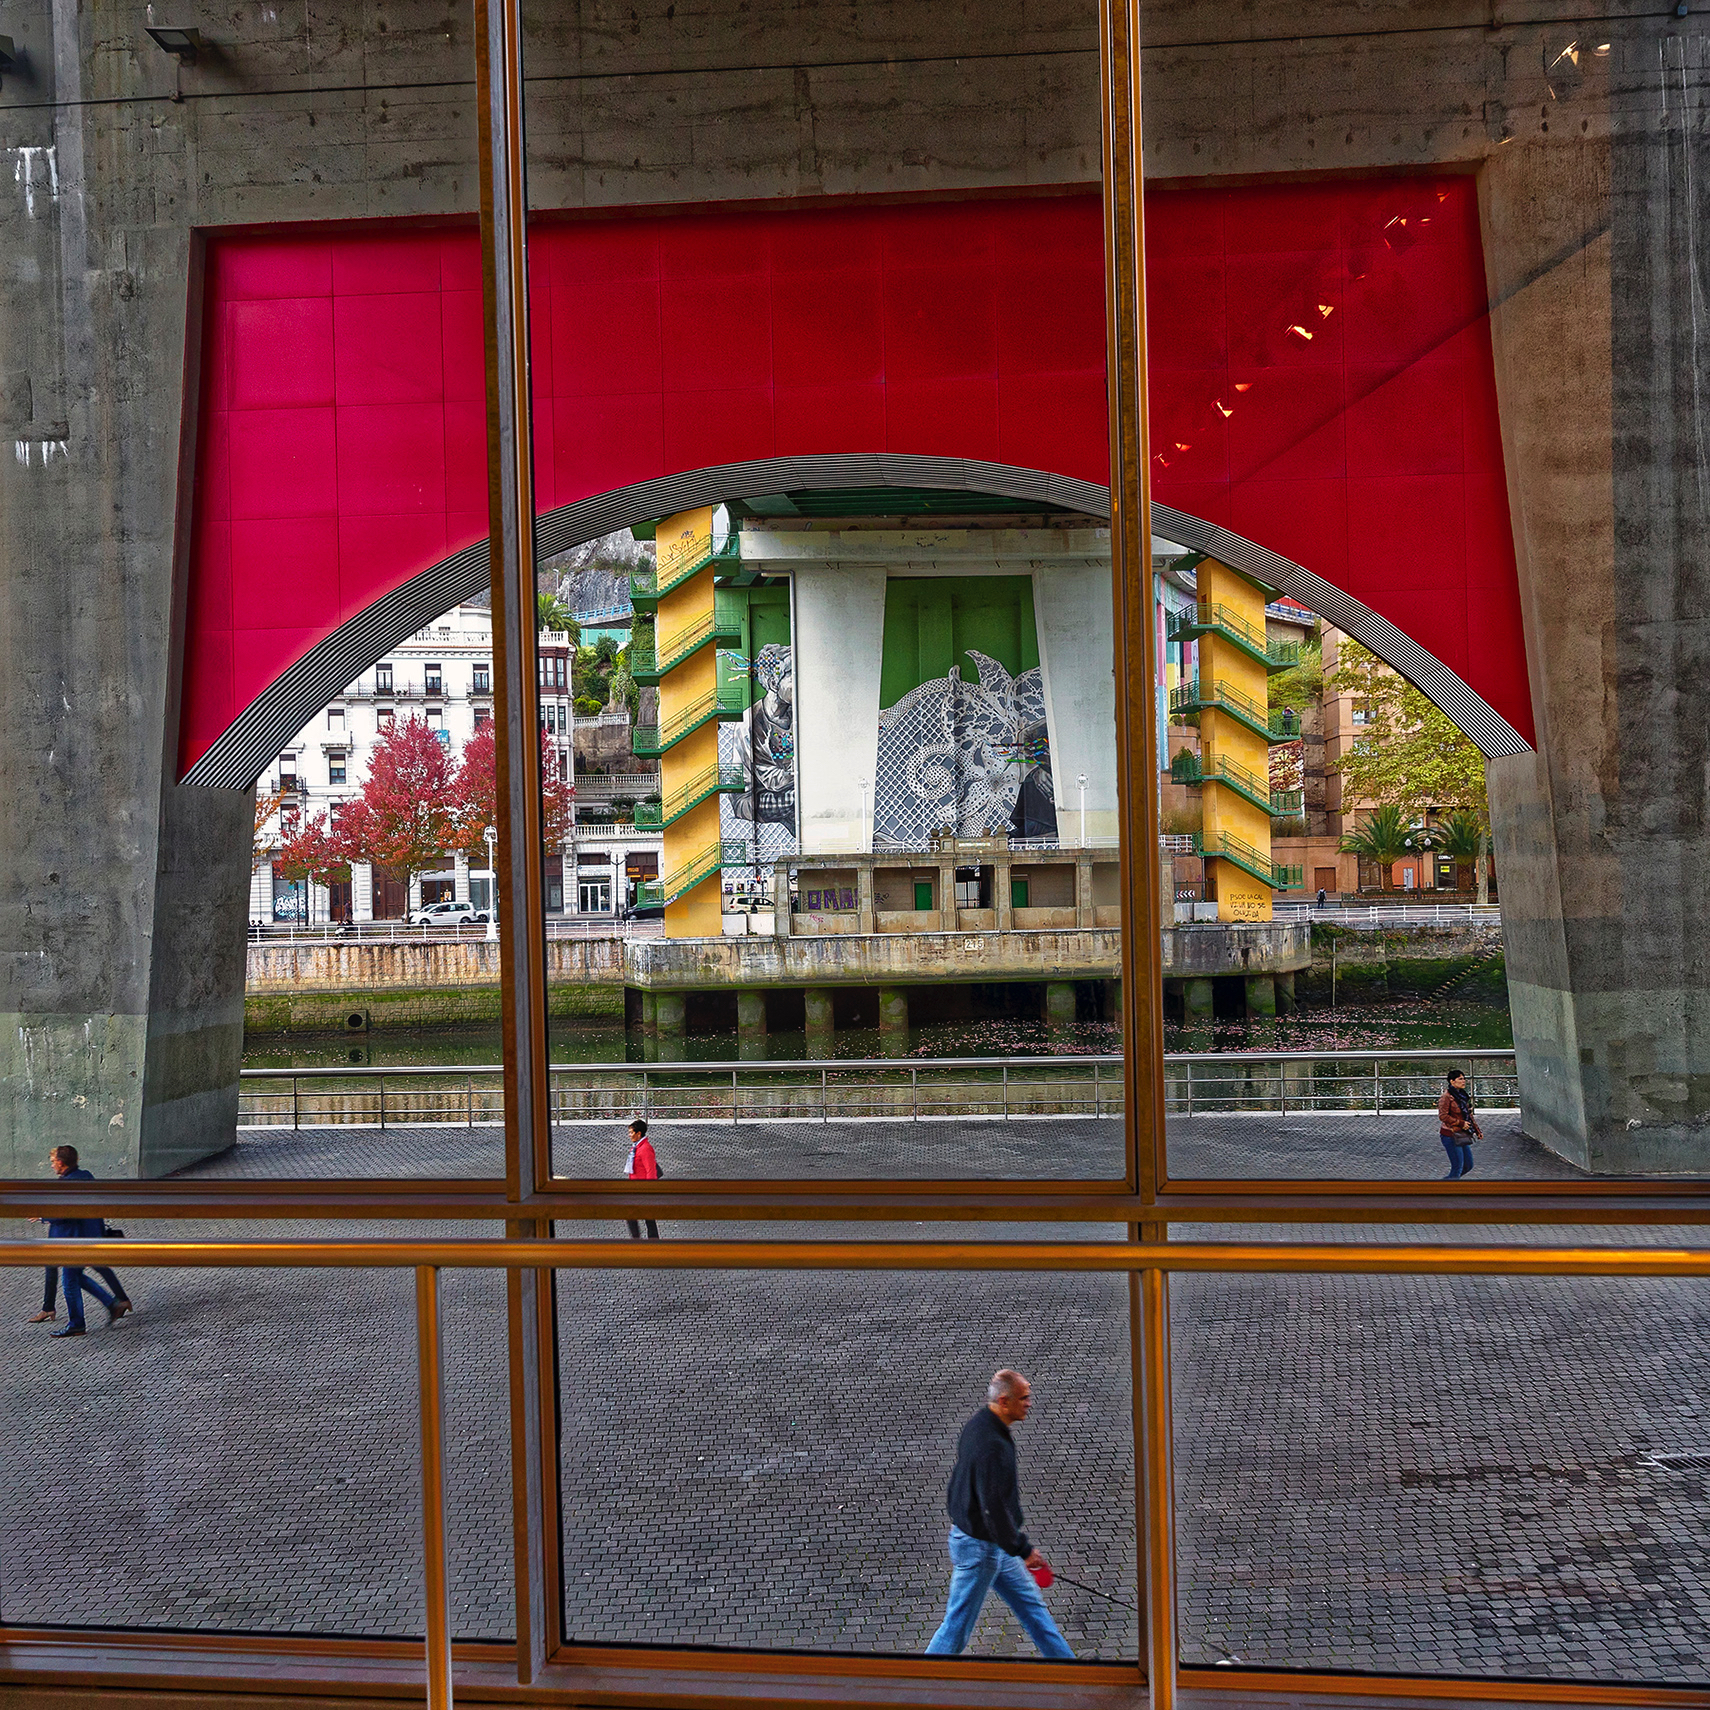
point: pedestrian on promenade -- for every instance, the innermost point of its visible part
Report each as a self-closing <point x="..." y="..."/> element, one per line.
<point x="63" y="1161"/>
<point x="988" y="1548"/>
<point x="643" y="1166"/>
<point x="1457" y="1127"/>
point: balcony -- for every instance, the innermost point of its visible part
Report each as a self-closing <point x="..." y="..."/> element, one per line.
<point x="725" y="702"/>
<point x="654" y="893"/>
<point x="1209" y="619"/>
<point x="1216" y="769"/>
<point x="712" y="781"/>
<point x="1196" y="696"/>
<point x="1222" y="846"/>
<point x="646" y="587"/>
<point x="651" y="660"/>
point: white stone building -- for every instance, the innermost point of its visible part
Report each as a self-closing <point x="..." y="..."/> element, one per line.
<point x="443" y="674"/>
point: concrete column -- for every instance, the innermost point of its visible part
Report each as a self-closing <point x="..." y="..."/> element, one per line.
<point x="1060" y="1003"/>
<point x="1083" y="891"/>
<point x="1261" y="995"/>
<point x="781" y="900"/>
<point x="893" y="1020"/>
<point x="361" y="891"/>
<point x="460" y="877"/>
<point x="1285" y="994"/>
<point x="864" y="897"/>
<point x="947" y="895"/>
<point x="649" y="1014"/>
<point x="1198" y="999"/>
<point x="1113" y="1000"/>
<point x="750" y="1024"/>
<point x="668" y="1009"/>
<point x="820" y="1026"/>
<point x="1001" y="870"/>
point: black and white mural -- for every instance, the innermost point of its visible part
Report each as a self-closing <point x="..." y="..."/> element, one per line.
<point x="969" y="758"/>
<point x="763" y="743"/>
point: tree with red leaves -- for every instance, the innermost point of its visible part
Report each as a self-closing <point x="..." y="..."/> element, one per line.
<point x="476" y="791"/>
<point x="404" y="818"/>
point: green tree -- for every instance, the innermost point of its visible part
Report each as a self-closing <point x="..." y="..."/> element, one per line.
<point x="1407" y="753"/>
<point x="1302" y="684"/>
<point x="1385" y="837"/>
<point x="552" y="613"/>
<point x="1464" y="837"/>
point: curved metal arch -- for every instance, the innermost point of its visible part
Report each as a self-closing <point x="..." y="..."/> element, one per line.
<point x="248" y="745"/>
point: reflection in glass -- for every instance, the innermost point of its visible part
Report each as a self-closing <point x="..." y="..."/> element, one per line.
<point x="1452" y="1475"/>
<point x="759" y="1461"/>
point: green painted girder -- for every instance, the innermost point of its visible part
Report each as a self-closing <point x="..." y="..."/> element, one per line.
<point x="1195" y="696"/>
<point x="728" y="701"/>
<point x="1279" y="804"/>
<point x="710" y="781"/>
<point x="647" y="587"/>
<point x="649" y="662"/>
<point x="1208" y="619"/>
<point x="1221" y="846"/>
<point x="655" y="893"/>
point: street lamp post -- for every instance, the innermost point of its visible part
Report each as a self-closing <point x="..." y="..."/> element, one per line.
<point x="864" y="837"/>
<point x="492" y="838"/>
<point x="1081" y="783"/>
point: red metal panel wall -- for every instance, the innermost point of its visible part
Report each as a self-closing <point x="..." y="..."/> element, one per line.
<point x="1321" y="382"/>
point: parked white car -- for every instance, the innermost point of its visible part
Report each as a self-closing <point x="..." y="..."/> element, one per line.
<point x="442" y="914"/>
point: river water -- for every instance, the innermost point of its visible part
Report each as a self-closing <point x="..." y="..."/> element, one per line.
<point x="1406" y="1023"/>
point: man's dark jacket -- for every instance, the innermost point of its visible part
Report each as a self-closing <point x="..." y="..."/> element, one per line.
<point x="985" y="1497"/>
<point x="77" y="1228"/>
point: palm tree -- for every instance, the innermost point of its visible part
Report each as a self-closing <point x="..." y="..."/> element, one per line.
<point x="552" y="613"/>
<point x="1463" y="836"/>
<point x="1386" y="836"/>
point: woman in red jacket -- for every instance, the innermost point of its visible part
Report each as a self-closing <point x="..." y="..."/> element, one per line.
<point x="1457" y="1126"/>
<point x="643" y="1166"/>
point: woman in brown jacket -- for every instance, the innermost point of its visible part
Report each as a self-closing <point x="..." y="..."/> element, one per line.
<point x="1457" y="1126"/>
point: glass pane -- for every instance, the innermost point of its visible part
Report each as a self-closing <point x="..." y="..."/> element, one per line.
<point x="1461" y="1476"/>
<point x="245" y="1455"/>
<point x="760" y="1461"/>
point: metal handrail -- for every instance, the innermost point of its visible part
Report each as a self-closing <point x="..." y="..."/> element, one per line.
<point x="709" y="781"/>
<point x="1204" y="616"/>
<point x="857" y="1088"/>
<point x="1277" y="874"/>
<point x="1280" y="726"/>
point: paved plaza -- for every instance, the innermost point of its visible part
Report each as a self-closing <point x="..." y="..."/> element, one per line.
<point x="1325" y="1145"/>
<point x="1438" y="1474"/>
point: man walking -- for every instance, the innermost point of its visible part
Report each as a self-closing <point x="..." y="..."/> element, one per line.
<point x="988" y="1547"/>
<point x="63" y="1160"/>
<point x="643" y="1166"/>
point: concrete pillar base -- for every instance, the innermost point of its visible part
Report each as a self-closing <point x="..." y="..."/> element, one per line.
<point x="1059" y="1004"/>
<point x="1285" y="994"/>
<point x="669" y="1028"/>
<point x="1197" y="998"/>
<point x="1261" y="995"/>
<point x="893" y="1020"/>
<point x="816" y="1003"/>
<point x="751" y="1025"/>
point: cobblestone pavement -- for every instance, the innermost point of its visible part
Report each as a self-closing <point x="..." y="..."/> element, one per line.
<point x="1330" y="1144"/>
<point x="1461" y="1475"/>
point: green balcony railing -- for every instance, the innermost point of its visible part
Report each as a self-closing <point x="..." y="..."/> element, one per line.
<point x="727" y="701"/>
<point x="1276" y="874"/>
<point x="1207" y="618"/>
<point x="655" y="893"/>
<point x="646" y="587"/>
<point x="710" y="781"/>
<point x="649" y="660"/>
<point x="1195" y="695"/>
<point x="1219" y="769"/>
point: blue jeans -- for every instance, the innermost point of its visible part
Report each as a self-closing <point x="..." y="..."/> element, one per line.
<point x="975" y="1568"/>
<point x="1460" y="1155"/>
<point x="76" y="1286"/>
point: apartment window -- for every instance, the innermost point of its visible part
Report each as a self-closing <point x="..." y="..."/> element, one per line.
<point x="435" y="679"/>
<point x="383" y="679"/>
<point x="335" y="718"/>
<point x="483" y="715"/>
<point x="335" y="766"/>
<point x="384" y="717"/>
<point x="287" y="771"/>
<point x="436" y="723"/>
<point x="482" y="684"/>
